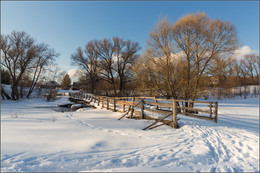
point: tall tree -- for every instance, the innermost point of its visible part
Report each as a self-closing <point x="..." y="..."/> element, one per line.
<point x="201" y="40"/>
<point x="21" y="55"/>
<point x="125" y="57"/>
<point x="250" y="63"/>
<point x="45" y="56"/>
<point x="87" y="60"/>
<point x="18" y="51"/>
<point x="105" y="50"/>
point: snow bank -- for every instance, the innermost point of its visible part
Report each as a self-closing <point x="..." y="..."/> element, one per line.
<point x="36" y="138"/>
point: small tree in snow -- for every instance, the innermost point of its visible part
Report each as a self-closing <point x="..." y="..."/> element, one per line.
<point x="65" y="84"/>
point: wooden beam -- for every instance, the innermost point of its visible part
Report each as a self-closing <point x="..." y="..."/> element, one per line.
<point x="168" y="105"/>
<point x="158" y="111"/>
<point x="157" y="120"/>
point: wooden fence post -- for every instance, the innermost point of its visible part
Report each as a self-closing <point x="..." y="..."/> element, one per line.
<point x="156" y="102"/>
<point x="123" y="107"/>
<point x="142" y="108"/>
<point x="132" y="111"/>
<point x="114" y="105"/>
<point x="216" y="112"/>
<point x="107" y="104"/>
<point x="210" y="115"/>
<point x="98" y="101"/>
<point x="102" y="103"/>
<point x="174" y="114"/>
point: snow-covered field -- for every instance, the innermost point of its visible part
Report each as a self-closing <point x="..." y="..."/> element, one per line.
<point x="36" y="138"/>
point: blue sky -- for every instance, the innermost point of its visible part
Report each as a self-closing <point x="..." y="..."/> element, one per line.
<point x="66" y="25"/>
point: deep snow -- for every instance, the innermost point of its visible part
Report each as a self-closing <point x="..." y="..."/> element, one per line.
<point x="37" y="138"/>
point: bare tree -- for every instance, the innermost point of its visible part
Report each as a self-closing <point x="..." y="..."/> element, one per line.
<point x="163" y="59"/>
<point x="105" y="50"/>
<point x="87" y="60"/>
<point x="45" y="56"/>
<point x="201" y="40"/>
<point x="250" y="63"/>
<point x="17" y="52"/>
<point x="125" y="55"/>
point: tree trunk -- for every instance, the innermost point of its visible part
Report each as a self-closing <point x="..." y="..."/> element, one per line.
<point x="15" y="94"/>
<point x="4" y="94"/>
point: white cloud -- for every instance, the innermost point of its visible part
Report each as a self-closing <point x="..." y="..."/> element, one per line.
<point x="239" y="53"/>
<point x="73" y="73"/>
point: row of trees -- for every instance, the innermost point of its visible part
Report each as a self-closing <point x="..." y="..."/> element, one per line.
<point x="182" y="60"/>
<point x="24" y="61"/>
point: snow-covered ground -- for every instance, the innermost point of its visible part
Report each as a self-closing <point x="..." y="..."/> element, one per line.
<point x="36" y="138"/>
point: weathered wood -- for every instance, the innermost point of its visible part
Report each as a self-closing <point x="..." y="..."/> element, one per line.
<point x="142" y="108"/>
<point x="125" y="113"/>
<point x="156" y="126"/>
<point x="168" y="105"/>
<point x="210" y="115"/>
<point x="156" y="104"/>
<point x="107" y="104"/>
<point x="197" y="116"/>
<point x="184" y="100"/>
<point x="123" y="107"/>
<point x="138" y="113"/>
<point x="174" y="114"/>
<point x="216" y="112"/>
<point x="157" y="120"/>
<point x="157" y="111"/>
<point x="194" y="109"/>
<point x="114" y="105"/>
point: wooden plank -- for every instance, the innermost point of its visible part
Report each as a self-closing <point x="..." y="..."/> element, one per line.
<point x="158" y="120"/>
<point x="158" y="111"/>
<point x="160" y="125"/>
<point x="125" y="113"/>
<point x="168" y="105"/>
<point x="194" y="109"/>
<point x="156" y="126"/>
<point x="138" y="113"/>
<point x="184" y="100"/>
<point x="197" y="116"/>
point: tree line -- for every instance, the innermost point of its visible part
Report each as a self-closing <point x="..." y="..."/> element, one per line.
<point x="182" y="60"/>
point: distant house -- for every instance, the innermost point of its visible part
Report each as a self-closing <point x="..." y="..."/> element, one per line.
<point x="75" y="86"/>
<point x="52" y="84"/>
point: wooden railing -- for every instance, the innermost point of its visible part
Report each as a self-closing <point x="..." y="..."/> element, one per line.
<point x="140" y="106"/>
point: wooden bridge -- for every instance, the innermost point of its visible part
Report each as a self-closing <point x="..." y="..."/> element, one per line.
<point x="139" y="108"/>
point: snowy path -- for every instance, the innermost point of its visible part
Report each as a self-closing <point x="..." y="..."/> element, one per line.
<point x="93" y="140"/>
